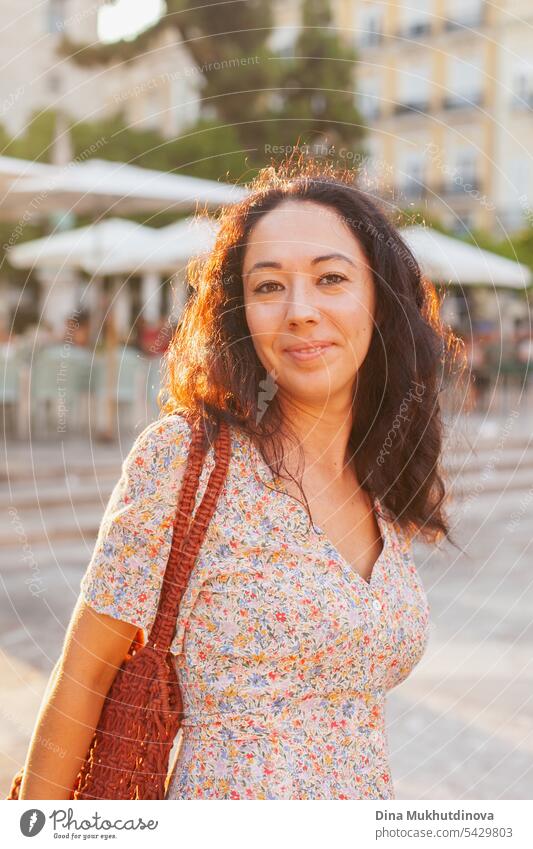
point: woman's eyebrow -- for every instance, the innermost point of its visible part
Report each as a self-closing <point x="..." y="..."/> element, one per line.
<point x="266" y="263"/>
<point x="270" y="263"/>
<point x="332" y="256"/>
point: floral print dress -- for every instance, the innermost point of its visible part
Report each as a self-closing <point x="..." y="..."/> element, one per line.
<point x="284" y="654"/>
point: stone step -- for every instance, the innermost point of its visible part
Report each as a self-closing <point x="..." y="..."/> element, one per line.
<point x="52" y="492"/>
<point x="63" y="521"/>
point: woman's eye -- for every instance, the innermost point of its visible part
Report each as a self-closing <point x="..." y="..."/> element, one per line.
<point x="334" y="278"/>
<point x="268" y="283"/>
<point x="338" y="276"/>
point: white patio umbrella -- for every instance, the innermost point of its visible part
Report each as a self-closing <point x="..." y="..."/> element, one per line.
<point x="80" y="248"/>
<point x="14" y="171"/>
<point x="119" y="188"/>
<point x="445" y="259"/>
<point x="164" y="250"/>
<point x="96" y="186"/>
<point x="89" y="248"/>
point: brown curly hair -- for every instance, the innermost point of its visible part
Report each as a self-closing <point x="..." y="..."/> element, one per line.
<point x="211" y="369"/>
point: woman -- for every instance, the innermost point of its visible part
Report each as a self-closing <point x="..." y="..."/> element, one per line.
<point x="312" y="333"/>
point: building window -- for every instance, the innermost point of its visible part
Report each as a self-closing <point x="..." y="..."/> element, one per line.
<point x="464" y="83"/>
<point x="368" y="97"/>
<point x="414" y="89"/>
<point x="464" y="13"/>
<point x="462" y="175"/>
<point x="415" y="18"/>
<point x="55" y="15"/>
<point x="369" y="26"/>
<point x="522" y="86"/>
<point x="411" y="175"/>
<point x="466" y="162"/>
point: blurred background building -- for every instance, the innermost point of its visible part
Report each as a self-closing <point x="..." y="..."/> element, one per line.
<point x="154" y="91"/>
<point x="446" y="88"/>
<point x="429" y="101"/>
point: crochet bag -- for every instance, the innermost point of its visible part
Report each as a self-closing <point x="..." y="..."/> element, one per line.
<point x="129" y="753"/>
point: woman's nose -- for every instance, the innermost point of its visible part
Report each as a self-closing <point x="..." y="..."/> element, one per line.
<point x="300" y="304"/>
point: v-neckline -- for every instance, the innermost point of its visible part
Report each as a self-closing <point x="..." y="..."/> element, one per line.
<point x="277" y="484"/>
<point x="351" y="573"/>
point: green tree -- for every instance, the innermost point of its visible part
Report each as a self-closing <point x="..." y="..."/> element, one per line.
<point x="227" y="42"/>
<point x="250" y="95"/>
<point x="317" y="84"/>
<point x="35" y="142"/>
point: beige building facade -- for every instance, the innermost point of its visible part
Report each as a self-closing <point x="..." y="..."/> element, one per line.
<point x="444" y="86"/>
<point x="446" y="90"/>
<point x="160" y="89"/>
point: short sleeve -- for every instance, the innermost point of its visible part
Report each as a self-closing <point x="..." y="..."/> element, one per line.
<point x="125" y="573"/>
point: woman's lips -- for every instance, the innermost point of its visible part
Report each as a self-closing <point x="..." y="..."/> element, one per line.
<point x="310" y="354"/>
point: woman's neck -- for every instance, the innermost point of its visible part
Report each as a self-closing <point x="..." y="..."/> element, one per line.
<point x="324" y="439"/>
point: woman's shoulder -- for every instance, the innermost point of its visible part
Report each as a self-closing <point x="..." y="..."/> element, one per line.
<point x="162" y="442"/>
<point x="165" y="428"/>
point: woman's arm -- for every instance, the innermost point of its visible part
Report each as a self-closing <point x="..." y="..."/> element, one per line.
<point x="94" y="648"/>
<point x="119" y="594"/>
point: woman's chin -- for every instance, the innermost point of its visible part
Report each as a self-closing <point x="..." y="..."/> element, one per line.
<point x="315" y="387"/>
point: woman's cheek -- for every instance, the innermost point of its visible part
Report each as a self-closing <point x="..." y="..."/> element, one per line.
<point x="262" y="324"/>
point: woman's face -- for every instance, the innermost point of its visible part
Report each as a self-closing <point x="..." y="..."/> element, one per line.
<point x="306" y="280"/>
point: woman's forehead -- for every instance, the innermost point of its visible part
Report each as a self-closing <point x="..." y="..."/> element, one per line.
<point x="304" y="229"/>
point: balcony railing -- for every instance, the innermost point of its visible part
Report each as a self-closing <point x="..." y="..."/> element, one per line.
<point x="415" y="30"/>
<point x="412" y="190"/>
<point x="471" y="20"/>
<point x="462" y="101"/>
<point x="370" y="111"/>
<point x="522" y="101"/>
<point x="370" y="38"/>
<point x="461" y="184"/>
<point x="412" y="107"/>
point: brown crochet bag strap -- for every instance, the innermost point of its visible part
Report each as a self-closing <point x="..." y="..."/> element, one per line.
<point x="188" y="532"/>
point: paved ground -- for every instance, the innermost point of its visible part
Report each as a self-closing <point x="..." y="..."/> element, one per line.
<point x="460" y="726"/>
